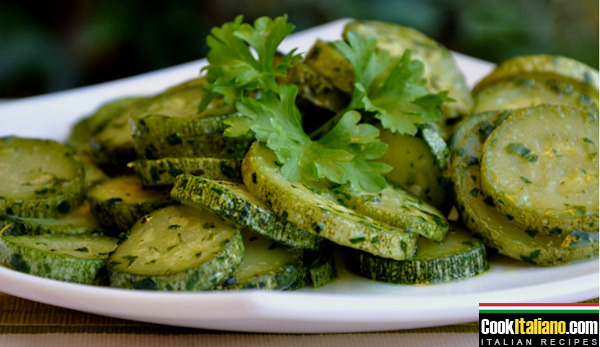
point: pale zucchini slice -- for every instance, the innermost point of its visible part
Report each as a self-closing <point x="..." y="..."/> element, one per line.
<point x="540" y="166"/>
<point x="160" y="172"/>
<point x="177" y="248"/>
<point x="119" y="202"/>
<point x="318" y="212"/>
<point x="498" y="231"/>
<point x="169" y="125"/>
<point x="396" y="206"/>
<point x="72" y="258"/>
<point x="77" y="221"/>
<point x="441" y="71"/>
<point x="459" y="256"/>
<point x="234" y="202"/>
<point x="415" y="166"/>
<point x="266" y="265"/>
<point x="107" y="111"/>
<point x="330" y="63"/>
<point x="40" y="178"/>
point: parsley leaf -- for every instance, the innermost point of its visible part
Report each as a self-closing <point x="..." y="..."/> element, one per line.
<point x="391" y="87"/>
<point x="234" y="70"/>
<point x="343" y="155"/>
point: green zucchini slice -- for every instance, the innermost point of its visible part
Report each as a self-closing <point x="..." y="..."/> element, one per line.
<point x="119" y="202"/>
<point x="77" y="221"/>
<point x="266" y="265"/>
<point x="396" y="206"/>
<point x="161" y="172"/>
<point x="330" y="63"/>
<point x="234" y="202"/>
<point x="459" y="256"/>
<point x="479" y="214"/>
<point x="177" y="248"/>
<point x="72" y="258"/>
<point x="318" y="211"/>
<point x="40" y="178"/>
<point x="540" y="166"/>
<point x="169" y="125"/>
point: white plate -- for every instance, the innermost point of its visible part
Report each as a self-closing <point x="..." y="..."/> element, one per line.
<point x="349" y="304"/>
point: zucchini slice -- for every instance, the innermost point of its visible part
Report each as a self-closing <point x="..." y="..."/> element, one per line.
<point x="459" y="256"/>
<point x="397" y="207"/>
<point x="266" y="265"/>
<point x="320" y="266"/>
<point x="112" y="147"/>
<point x="77" y="221"/>
<point x="40" y="178"/>
<point x="177" y="248"/>
<point x="168" y="125"/>
<point x="532" y="80"/>
<point x="160" y="172"/>
<point x="441" y="71"/>
<point x="119" y="202"/>
<point x="318" y="211"/>
<point x="72" y="258"/>
<point x="415" y="167"/>
<point x="330" y="63"/>
<point x="234" y="202"/>
<point x="540" y="166"/>
<point x="498" y="231"/>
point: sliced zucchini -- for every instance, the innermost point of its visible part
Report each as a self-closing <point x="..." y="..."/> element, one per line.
<point x="266" y="265"/>
<point x="330" y="63"/>
<point x="318" y="211"/>
<point x="77" y="221"/>
<point x="72" y="258"/>
<point x="160" y="172"/>
<point x="40" y="178"/>
<point x="459" y="256"/>
<point x="107" y="111"/>
<point x="320" y="266"/>
<point x="498" y="231"/>
<point x="177" y="248"/>
<point x="112" y="147"/>
<point x="540" y="166"/>
<point x="441" y="71"/>
<point x="119" y="202"/>
<point x="396" y="206"/>
<point x="169" y="125"/>
<point x="415" y="167"/>
<point x="233" y="201"/>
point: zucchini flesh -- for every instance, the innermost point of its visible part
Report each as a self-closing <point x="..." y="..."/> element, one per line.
<point x="72" y="258"/>
<point x="234" y="202"/>
<point x="177" y="248"/>
<point x="160" y="172"/>
<point x="330" y="63"/>
<point x="397" y="207"/>
<point x="266" y="265"/>
<point x="540" y="166"/>
<point x="479" y="214"/>
<point x="318" y="212"/>
<point x="77" y="221"/>
<point x="40" y="178"/>
<point x="415" y="168"/>
<point x="457" y="257"/>
<point x="119" y="202"/>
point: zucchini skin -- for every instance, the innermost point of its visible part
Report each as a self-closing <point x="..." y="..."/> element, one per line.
<point x="161" y="172"/>
<point x="225" y="200"/>
<point x="455" y="265"/>
<point x="319" y="214"/>
<point x="497" y="231"/>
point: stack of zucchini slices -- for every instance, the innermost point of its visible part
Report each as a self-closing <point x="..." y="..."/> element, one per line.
<point x="525" y="165"/>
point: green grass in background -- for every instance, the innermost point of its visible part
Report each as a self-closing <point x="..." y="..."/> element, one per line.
<point x="50" y="46"/>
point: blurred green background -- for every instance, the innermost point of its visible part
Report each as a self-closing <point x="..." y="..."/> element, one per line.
<point x="47" y="46"/>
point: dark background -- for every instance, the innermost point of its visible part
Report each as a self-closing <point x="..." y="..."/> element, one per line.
<point x="47" y="46"/>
